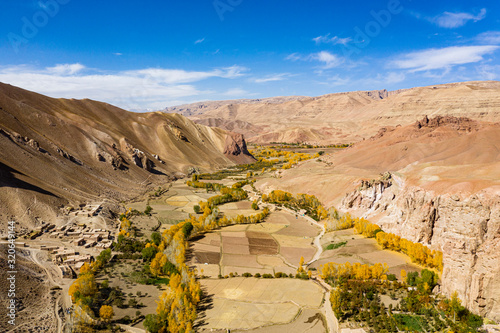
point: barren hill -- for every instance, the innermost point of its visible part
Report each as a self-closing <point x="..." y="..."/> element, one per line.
<point x="56" y="151"/>
<point x="443" y="190"/>
<point x="198" y="108"/>
<point x="350" y="117"/>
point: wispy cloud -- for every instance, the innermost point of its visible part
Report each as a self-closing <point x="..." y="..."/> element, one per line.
<point x="452" y="20"/>
<point x="294" y="57"/>
<point x="235" y="92"/>
<point x="199" y="41"/>
<point x="489" y="37"/>
<point x="151" y="88"/>
<point x="443" y="58"/>
<point x="394" y="77"/>
<point x="65" y="69"/>
<point x="273" y="77"/>
<point x="118" y="54"/>
<point x="328" y="59"/>
<point x="326" y="39"/>
<point x="489" y="72"/>
<point x="176" y="76"/>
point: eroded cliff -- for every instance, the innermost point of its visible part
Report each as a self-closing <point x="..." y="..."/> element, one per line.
<point x="465" y="228"/>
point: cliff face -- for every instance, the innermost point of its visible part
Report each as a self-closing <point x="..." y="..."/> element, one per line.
<point x="236" y="149"/>
<point x="443" y="190"/>
<point x="465" y="229"/>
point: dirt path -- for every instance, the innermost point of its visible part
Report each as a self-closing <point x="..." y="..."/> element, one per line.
<point x="317" y="239"/>
<point x="34" y="256"/>
<point x="327" y="306"/>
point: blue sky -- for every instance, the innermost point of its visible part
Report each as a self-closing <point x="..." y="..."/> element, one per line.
<point x="153" y="54"/>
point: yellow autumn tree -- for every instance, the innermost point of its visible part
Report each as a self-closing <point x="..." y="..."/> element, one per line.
<point x="403" y="275"/>
<point x="106" y="312"/>
<point x="156" y="264"/>
<point x="85" y="285"/>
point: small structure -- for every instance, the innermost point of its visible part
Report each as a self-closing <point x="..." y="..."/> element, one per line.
<point x="67" y="272"/>
<point x="79" y="242"/>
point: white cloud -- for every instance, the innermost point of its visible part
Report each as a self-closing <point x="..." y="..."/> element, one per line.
<point x="118" y="54"/>
<point x="328" y="59"/>
<point x="294" y="57"/>
<point x="65" y="69"/>
<point x="489" y="37"/>
<point x="235" y="92"/>
<point x="394" y="77"/>
<point x="489" y="72"/>
<point x="270" y="78"/>
<point x="199" y="41"/>
<point x="326" y="39"/>
<point x="175" y="76"/>
<point x="456" y="20"/>
<point x="150" y="88"/>
<point x="443" y="58"/>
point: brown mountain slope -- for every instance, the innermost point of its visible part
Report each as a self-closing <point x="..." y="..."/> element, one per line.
<point x="444" y="192"/>
<point x="350" y="117"/>
<point x="58" y="150"/>
<point x="198" y="108"/>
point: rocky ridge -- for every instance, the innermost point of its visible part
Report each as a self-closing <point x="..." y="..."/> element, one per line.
<point x="466" y="230"/>
<point x="58" y="152"/>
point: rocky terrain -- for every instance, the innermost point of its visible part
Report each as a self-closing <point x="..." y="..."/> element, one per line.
<point x="346" y="117"/>
<point x="425" y="163"/>
<point x="198" y="108"/>
<point x="440" y="185"/>
<point x="59" y="152"/>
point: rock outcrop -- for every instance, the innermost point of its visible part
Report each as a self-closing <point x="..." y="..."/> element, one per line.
<point x="465" y="229"/>
<point x="235" y="148"/>
<point x="58" y="152"/>
<point x="346" y="117"/>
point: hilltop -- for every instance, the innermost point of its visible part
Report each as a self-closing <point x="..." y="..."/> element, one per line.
<point x="58" y="152"/>
<point x="435" y="181"/>
<point x="347" y="117"/>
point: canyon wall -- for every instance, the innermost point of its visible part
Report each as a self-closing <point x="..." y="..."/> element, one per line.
<point x="465" y="228"/>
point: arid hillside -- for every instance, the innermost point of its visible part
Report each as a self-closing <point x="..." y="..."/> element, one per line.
<point x="348" y="117"/>
<point x="436" y="181"/>
<point x="59" y="151"/>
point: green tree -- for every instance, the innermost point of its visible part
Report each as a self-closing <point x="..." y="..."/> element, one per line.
<point x="152" y="323"/>
<point x="186" y="229"/>
<point x="148" y="253"/>
<point x="156" y="238"/>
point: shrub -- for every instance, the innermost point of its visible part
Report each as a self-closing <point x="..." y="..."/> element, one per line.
<point x="334" y="246"/>
<point x="247" y="274"/>
<point x="391" y="277"/>
<point x="197" y="209"/>
<point x="152" y="323"/>
<point x="257" y="275"/>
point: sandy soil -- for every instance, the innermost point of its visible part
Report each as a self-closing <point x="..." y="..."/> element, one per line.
<point x="247" y="303"/>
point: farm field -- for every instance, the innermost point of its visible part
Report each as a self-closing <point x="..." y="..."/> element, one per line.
<point x="362" y="250"/>
<point x="250" y="303"/>
<point x="273" y="246"/>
